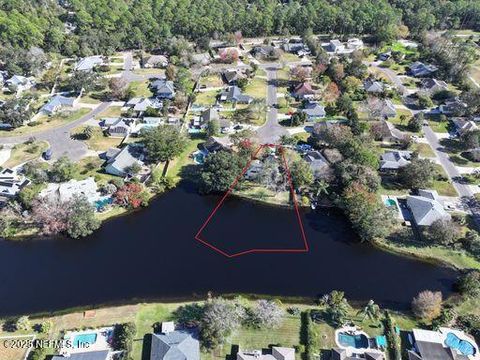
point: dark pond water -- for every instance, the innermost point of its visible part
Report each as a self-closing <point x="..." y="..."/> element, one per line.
<point x="152" y="254"/>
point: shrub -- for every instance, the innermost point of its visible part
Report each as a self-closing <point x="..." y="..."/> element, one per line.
<point x="469" y="283"/>
<point x="123" y="338"/>
<point x="393" y="338"/>
<point x="266" y="314"/>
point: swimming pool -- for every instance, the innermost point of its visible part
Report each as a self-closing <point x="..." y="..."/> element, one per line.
<point x="463" y="346"/>
<point x="84" y="340"/>
<point x="199" y="157"/>
<point x="390" y="202"/>
<point x="358" y="341"/>
<point x="100" y="204"/>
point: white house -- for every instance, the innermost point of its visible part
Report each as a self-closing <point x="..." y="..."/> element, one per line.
<point x="66" y="191"/>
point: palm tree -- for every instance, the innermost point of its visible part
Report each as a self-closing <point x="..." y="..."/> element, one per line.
<point x="371" y="310"/>
<point x="319" y="187"/>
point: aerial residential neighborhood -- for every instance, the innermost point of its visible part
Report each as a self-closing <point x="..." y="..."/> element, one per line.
<point x="240" y="180"/>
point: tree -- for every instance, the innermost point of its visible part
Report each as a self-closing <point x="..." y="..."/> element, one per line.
<point x="81" y="219"/>
<point x="63" y="170"/>
<point x="337" y="307"/>
<point x="131" y="195"/>
<point x="219" y="171"/>
<point x="164" y="143"/>
<point x="267" y="314"/>
<point x="443" y="232"/>
<point x="470" y="139"/>
<point x="220" y="318"/>
<point x="469" y="284"/>
<point x="371" y="311"/>
<point x="88" y="132"/>
<point x="300" y="73"/>
<point x="51" y="216"/>
<point x="367" y="214"/>
<point x="170" y="72"/>
<point x="419" y="174"/>
<point x="349" y="172"/>
<point x="213" y="127"/>
<point x="416" y="122"/>
<point x="16" y="112"/>
<point x="424" y="100"/>
<point x="118" y="87"/>
<point x="298" y="118"/>
<point x="83" y="80"/>
<point x="301" y="173"/>
<point x="427" y="305"/>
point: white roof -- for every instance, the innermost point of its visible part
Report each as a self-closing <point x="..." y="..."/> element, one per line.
<point x="167" y="327"/>
<point x="88" y="63"/>
<point x="65" y="191"/>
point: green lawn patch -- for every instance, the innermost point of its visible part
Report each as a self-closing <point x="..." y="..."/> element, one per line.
<point x="25" y="152"/>
<point x="257" y="88"/>
<point x="423" y="150"/>
<point x="98" y="141"/>
<point x="212" y="80"/>
<point x="140" y="88"/>
<point x="111" y="111"/>
<point x="206" y="98"/>
<point x="438" y="126"/>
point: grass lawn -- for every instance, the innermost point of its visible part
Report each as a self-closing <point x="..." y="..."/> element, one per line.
<point x="89" y="100"/>
<point x="460" y="160"/>
<point x="256" y="192"/>
<point x="423" y="150"/>
<point x="399" y="47"/>
<point x="111" y="111"/>
<point x="47" y="122"/>
<point x="212" y="80"/>
<point x="150" y="72"/>
<point x="289" y="57"/>
<point x="98" y="141"/>
<point x="25" y="152"/>
<point x="175" y="167"/>
<point x="92" y="167"/>
<point x="444" y="188"/>
<point x="9" y="353"/>
<point x="257" y="88"/>
<point x="439" y="127"/>
<point x="140" y="89"/>
<point x="206" y="98"/>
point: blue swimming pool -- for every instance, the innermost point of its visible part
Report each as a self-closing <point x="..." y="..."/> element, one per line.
<point x="100" y="204"/>
<point x="390" y="202"/>
<point x="84" y="340"/>
<point x="358" y="341"/>
<point x="464" y="347"/>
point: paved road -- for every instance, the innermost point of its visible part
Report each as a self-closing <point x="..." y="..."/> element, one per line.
<point x="271" y="131"/>
<point x="59" y="138"/>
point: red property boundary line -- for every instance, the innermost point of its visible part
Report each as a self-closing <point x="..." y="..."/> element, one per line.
<point x="305" y="248"/>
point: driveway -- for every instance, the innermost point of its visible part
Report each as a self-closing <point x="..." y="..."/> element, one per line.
<point x="271" y="131"/>
<point x="391" y="75"/>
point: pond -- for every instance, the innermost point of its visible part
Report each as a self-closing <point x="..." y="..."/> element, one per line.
<point x="152" y="255"/>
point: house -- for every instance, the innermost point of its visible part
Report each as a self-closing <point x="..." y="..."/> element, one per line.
<point x="374" y="87"/>
<point x="66" y="191"/>
<point x="234" y="94"/>
<point x="432" y="86"/>
<point x="89" y="63"/>
<point x="163" y="89"/>
<point x="389" y="133"/>
<point x="174" y="345"/>
<point x="11" y="182"/>
<point x="394" y="160"/>
<point x="231" y="76"/>
<point x="426" y="208"/>
<point x="455" y="107"/>
<point x="463" y="126"/>
<point x="121" y="128"/>
<point x="120" y="164"/>
<point x="355" y="44"/>
<point x="296" y="47"/>
<point x="140" y="105"/>
<point x="209" y="115"/>
<point x="202" y="59"/>
<point x="147" y="123"/>
<point x="443" y="344"/>
<point x="156" y="61"/>
<point x="335" y="46"/>
<point x="91" y="355"/>
<point x="388" y="109"/>
<point x="318" y="164"/>
<point x="58" y="102"/>
<point x="19" y="83"/>
<point x="214" y="144"/>
<point x="314" y="111"/>
<point x="343" y="354"/>
<point x="277" y="353"/>
<point x="254" y="170"/>
<point x="303" y="91"/>
<point x="419" y="69"/>
<point x="384" y="56"/>
<point x="263" y="51"/>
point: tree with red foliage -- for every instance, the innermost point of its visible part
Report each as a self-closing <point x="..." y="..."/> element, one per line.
<point x="331" y="93"/>
<point x="229" y="56"/>
<point x="131" y="195"/>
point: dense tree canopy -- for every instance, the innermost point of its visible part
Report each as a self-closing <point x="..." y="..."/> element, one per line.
<point x="102" y="26"/>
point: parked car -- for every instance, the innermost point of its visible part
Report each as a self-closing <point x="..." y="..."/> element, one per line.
<point x="47" y="154"/>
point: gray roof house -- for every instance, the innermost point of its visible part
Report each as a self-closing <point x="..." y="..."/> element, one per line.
<point x="234" y="94"/>
<point x="174" y="345"/>
<point x="156" y="61"/>
<point x="210" y="114"/>
<point x="454" y="108"/>
<point x="373" y="86"/>
<point x="443" y="344"/>
<point x="419" y="69"/>
<point x="121" y="162"/>
<point x="433" y="86"/>
<point x="390" y="133"/>
<point x="317" y="162"/>
<point x="426" y="208"/>
<point x="463" y="126"/>
<point x="314" y="110"/>
<point x="163" y="89"/>
<point x="56" y="103"/>
<point x="277" y="353"/>
<point x="121" y="128"/>
<point x="231" y="76"/>
<point x="394" y="160"/>
<point x="88" y="63"/>
<point x="342" y="354"/>
<point x="202" y="58"/>
<point x="90" y="355"/>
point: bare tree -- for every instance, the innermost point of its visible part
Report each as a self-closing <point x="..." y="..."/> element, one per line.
<point x="427" y="304"/>
<point x="267" y="313"/>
